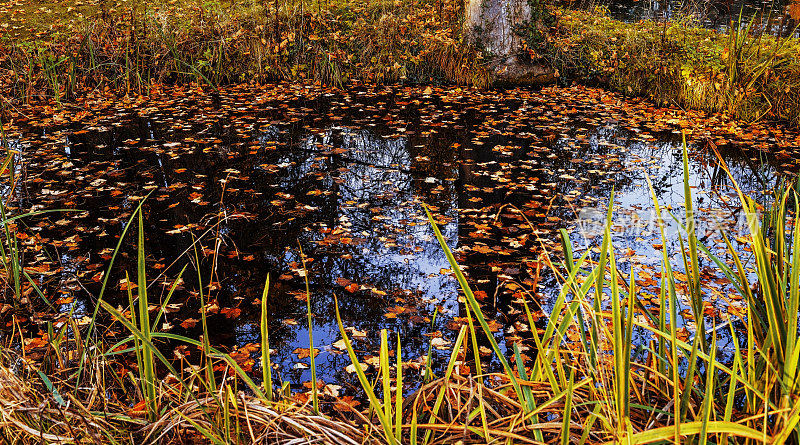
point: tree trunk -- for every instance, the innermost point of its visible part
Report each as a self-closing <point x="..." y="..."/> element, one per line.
<point x="495" y="25"/>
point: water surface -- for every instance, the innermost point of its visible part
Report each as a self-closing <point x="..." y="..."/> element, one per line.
<point x="305" y="183"/>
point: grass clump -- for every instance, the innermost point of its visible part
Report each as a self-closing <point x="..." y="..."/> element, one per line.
<point x="677" y="388"/>
<point x="746" y="74"/>
<point x="131" y="44"/>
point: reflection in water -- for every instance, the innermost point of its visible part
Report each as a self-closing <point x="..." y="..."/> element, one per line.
<point x="343" y="177"/>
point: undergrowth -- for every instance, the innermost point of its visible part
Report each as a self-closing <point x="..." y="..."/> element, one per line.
<point x="134" y="44"/>
<point x="130" y="45"/>
<point x="746" y="74"/>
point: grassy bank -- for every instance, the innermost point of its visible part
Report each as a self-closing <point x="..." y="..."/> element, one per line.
<point x="129" y="44"/>
<point x="60" y="50"/>
<point x="745" y="74"/>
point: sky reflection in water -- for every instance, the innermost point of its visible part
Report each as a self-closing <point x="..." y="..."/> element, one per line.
<point x="344" y="177"/>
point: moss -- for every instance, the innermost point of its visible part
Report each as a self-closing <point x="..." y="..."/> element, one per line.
<point x="749" y="77"/>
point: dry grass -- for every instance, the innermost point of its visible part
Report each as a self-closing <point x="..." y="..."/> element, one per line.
<point x="748" y="75"/>
<point x="129" y="46"/>
<point x="456" y="421"/>
<point x="262" y="422"/>
<point x="32" y="413"/>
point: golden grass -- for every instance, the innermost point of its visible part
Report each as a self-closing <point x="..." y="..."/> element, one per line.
<point x="128" y="46"/>
<point x="748" y="75"/>
<point x="29" y="413"/>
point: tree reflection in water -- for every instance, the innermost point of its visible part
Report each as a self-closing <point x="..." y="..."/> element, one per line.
<point x="344" y="178"/>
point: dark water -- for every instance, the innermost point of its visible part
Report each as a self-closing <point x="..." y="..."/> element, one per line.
<point x="778" y="17"/>
<point x="252" y="176"/>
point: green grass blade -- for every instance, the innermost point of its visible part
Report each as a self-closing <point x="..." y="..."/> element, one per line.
<point x="440" y="396"/>
<point x="667" y="433"/>
<point x="311" y="355"/>
<point x="148" y="371"/>
<point x="383" y="357"/>
<point x="567" y="419"/>
<point x="708" y="401"/>
<point x="475" y="307"/>
<point x="398" y="397"/>
<point x="162" y="309"/>
<point x="362" y="379"/>
<point x="104" y="285"/>
<point x="266" y="362"/>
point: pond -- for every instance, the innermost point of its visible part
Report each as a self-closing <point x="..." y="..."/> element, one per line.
<point x="306" y="183"/>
